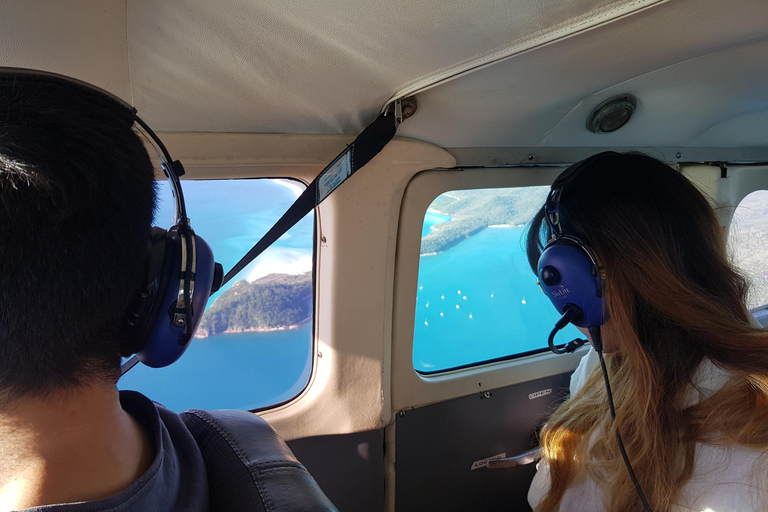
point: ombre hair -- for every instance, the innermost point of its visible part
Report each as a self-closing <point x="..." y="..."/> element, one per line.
<point x="673" y="300"/>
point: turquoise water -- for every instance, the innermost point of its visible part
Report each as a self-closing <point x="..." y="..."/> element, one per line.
<point x="230" y="371"/>
<point x="430" y="219"/>
<point x="478" y="301"/>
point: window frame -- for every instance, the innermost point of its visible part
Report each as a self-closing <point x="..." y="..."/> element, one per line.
<point x="313" y="345"/>
<point x="513" y="355"/>
<point x="411" y="388"/>
<point x="760" y="312"/>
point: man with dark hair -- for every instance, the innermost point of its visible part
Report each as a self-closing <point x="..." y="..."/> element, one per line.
<point x="77" y="190"/>
<point x="77" y="194"/>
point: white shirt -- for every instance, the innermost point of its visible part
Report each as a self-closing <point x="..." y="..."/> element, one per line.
<point x="725" y="478"/>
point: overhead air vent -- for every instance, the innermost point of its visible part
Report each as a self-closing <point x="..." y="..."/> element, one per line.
<point x="612" y="114"/>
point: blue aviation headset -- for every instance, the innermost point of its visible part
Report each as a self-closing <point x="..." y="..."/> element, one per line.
<point x="181" y="272"/>
<point x="571" y="277"/>
<point x="567" y="269"/>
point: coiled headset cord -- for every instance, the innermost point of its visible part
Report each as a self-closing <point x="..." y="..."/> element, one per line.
<point x="597" y="342"/>
<point x="572" y="314"/>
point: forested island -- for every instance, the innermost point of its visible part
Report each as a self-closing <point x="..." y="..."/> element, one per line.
<point x="471" y="211"/>
<point x="273" y="302"/>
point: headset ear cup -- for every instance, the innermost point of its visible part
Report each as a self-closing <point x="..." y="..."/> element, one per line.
<point x="163" y="346"/>
<point x="159" y="337"/>
<point x="143" y="311"/>
<point x="568" y="274"/>
<point x="205" y="274"/>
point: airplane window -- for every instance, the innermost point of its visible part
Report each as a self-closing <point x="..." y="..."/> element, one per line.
<point x="748" y="245"/>
<point x="253" y="348"/>
<point x="477" y="299"/>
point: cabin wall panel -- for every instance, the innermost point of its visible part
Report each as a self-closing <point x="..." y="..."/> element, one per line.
<point x="349" y="388"/>
<point x="438" y="445"/>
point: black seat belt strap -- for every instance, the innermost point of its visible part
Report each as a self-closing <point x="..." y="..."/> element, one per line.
<point x="367" y="145"/>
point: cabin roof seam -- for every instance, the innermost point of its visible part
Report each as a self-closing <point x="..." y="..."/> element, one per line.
<point x="563" y="30"/>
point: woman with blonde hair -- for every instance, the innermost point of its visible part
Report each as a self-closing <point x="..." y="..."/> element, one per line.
<point x="687" y="367"/>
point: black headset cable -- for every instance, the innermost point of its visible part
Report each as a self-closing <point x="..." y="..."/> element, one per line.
<point x="597" y="342"/>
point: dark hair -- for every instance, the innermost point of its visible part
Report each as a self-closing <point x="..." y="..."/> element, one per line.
<point x="77" y="199"/>
<point x="673" y="299"/>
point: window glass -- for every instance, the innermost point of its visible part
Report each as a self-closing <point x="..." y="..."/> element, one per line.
<point x="748" y="244"/>
<point x="253" y="348"/>
<point x="477" y="298"/>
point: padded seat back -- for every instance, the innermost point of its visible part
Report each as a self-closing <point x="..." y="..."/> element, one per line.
<point x="250" y="468"/>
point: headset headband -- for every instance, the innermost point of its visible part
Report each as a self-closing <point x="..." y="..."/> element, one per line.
<point x="12" y="76"/>
<point x="552" y="212"/>
<point x="552" y="204"/>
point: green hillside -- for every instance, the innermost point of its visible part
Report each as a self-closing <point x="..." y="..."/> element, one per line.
<point x="272" y="302"/>
<point x="474" y="210"/>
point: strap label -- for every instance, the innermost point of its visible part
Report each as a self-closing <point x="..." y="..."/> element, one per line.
<point x="484" y="462"/>
<point x="334" y="176"/>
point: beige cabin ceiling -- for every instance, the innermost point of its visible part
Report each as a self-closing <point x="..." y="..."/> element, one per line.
<point x="698" y="67"/>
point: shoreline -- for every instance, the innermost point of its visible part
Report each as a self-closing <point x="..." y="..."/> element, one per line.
<point x="292" y="327"/>
<point x="438" y="212"/>
<point x="454" y="242"/>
